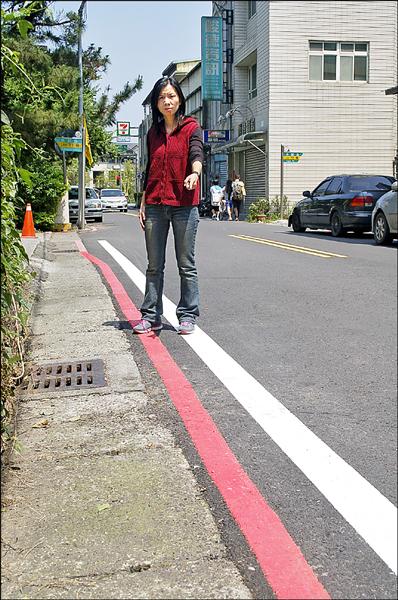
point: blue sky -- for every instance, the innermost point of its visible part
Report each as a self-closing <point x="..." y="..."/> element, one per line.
<point x="141" y="38"/>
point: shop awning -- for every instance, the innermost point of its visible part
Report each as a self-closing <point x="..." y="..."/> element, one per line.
<point x="243" y="141"/>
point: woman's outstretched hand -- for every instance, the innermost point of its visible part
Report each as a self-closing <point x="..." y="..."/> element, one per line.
<point x="191" y="181"/>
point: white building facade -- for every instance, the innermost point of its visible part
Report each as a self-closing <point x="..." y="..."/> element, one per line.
<point x="310" y="76"/>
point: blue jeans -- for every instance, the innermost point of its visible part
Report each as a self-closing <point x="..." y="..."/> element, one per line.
<point x="184" y="221"/>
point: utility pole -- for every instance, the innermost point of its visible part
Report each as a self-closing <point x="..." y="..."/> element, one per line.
<point x="282" y="153"/>
<point x="82" y="155"/>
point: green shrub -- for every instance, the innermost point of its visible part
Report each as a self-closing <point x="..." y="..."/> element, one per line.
<point x="276" y="206"/>
<point x="261" y="206"/>
<point x="44" y="221"/>
<point x="46" y="190"/>
<point x="14" y="275"/>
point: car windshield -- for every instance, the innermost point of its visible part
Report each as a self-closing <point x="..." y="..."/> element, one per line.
<point x="109" y="193"/>
<point x="90" y="194"/>
<point x="376" y="183"/>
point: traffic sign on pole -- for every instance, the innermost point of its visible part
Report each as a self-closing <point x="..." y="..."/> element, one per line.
<point x="123" y="128"/>
<point x="69" y="144"/>
<point x="292" y="156"/>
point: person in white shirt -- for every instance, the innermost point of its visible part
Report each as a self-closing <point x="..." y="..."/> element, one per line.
<point x="217" y="194"/>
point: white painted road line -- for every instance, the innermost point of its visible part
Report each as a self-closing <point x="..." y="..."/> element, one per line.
<point x="370" y="513"/>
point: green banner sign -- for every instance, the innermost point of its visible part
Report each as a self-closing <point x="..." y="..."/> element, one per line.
<point x="212" y="73"/>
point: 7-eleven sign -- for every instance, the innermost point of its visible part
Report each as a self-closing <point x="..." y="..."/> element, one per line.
<point x="123" y="127"/>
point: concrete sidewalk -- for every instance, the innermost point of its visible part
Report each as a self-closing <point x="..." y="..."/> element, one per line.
<point x="100" y="502"/>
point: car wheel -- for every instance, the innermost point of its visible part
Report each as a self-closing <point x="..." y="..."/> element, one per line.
<point x="296" y="224"/>
<point x="336" y="225"/>
<point x="381" y="231"/>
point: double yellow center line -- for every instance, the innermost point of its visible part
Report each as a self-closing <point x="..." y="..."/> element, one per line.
<point x="291" y="247"/>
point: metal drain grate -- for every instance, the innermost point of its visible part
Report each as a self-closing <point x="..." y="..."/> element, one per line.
<point x="66" y="376"/>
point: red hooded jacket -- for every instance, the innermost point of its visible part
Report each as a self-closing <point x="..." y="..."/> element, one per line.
<point x="169" y="163"/>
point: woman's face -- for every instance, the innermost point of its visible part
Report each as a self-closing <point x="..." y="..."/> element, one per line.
<point x="168" y="101"/>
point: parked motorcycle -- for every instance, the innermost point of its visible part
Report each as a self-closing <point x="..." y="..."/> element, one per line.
<point x="205" y="207"/>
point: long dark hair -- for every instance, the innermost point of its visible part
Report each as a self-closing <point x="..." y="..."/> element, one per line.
<point x="157" y="117"/>
<point x="228" y="187"/>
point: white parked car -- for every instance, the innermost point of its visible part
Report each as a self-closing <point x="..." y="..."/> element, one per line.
<point x="384" y="217"/>
<point x="113" y="199"/>
<point x="92" y="207"/>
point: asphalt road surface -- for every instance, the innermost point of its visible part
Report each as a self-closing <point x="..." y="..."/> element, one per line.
<point x="311" y="321"/>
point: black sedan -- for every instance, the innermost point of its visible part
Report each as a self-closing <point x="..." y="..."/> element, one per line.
<point x="340" y="203"/>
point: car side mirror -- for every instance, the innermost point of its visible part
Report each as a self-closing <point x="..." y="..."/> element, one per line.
<point x="394" y="186"/>
<point x="307" y="194"/>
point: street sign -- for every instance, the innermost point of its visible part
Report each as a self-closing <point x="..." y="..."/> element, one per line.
<point x="123" y="128"/>
<point x="213" y="136"/>
<point x="292" y="156"/>
<point x="68" y="133"/>
<point x="69" y="144"/>
<point x="124" y="139"/>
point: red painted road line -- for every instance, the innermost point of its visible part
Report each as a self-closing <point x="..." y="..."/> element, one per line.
<point x="281" y="560"/>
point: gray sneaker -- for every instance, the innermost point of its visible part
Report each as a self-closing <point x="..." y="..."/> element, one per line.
<point x="145" y="326"/>
<point x="186" y="327"/>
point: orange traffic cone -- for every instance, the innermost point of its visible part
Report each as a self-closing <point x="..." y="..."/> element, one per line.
<point x="28" y="229"/>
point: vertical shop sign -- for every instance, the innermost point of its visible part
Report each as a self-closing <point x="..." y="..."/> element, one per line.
<point x="212" y="73"/>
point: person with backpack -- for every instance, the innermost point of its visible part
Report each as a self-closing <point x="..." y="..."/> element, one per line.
<point x="238" y="195"/>
<point x="217" y="195"/>
<point x="227" y="189"/>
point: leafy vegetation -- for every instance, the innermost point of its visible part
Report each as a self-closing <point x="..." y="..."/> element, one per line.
<point x="260" y="207"/>
<point x="265" y="210"/>
<point x="40" y="91"/>
<point x="14" y="274"/>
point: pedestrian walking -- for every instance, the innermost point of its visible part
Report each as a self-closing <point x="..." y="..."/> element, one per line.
<point x="216" y="195"/>
<point x="238" y="195"/>
<point x="171" y="197"/>
<point x="227" y="189"/>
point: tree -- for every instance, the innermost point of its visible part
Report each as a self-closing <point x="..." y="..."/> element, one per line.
<point x="55" y="63"/>
<point x="129" y="178"/>
<point x="46" y="44"/>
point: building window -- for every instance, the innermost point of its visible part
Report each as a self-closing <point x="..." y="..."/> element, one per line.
<point x="252" y="72"/>
<point x="247" y="126"/>
<point x="193" y="102"/>
<point x="252" y="8"/>
<point x="338" y="61"/>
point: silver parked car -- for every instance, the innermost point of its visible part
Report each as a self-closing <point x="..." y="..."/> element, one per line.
<point x="384" y="217"/>
<point x="92" y="207"/>
<point x="113" y="199"/>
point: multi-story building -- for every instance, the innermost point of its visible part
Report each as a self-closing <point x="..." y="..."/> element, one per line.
<point x="310" y="76"/>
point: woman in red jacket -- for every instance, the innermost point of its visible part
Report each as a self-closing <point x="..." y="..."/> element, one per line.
<point x="171" y="196"/>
